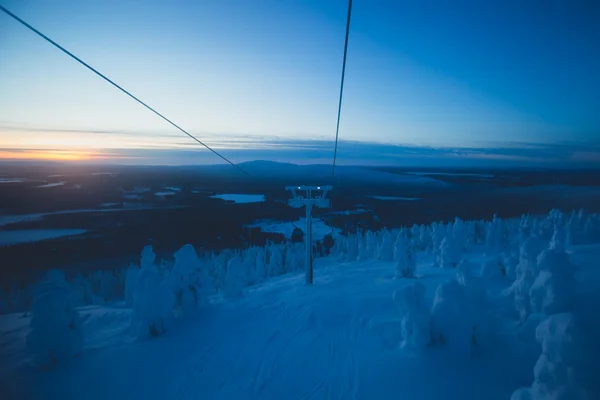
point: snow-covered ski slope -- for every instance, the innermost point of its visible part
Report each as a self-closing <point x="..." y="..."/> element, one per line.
<point x="354" y="333"/>
<point x="336" y="339"/>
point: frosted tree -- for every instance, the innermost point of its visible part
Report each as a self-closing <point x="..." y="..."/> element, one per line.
<point x="425" y="238"/>
<point x="360" y="252"/>
<point x="370" y="245"/>
<point x="493" y="268"/>
<point x="459" y="231"/>
<point x="276" y="267"/>
<point x="510" y="262"/>
<point x="234" y="279"/>
<point x="450" y="326"/>
<point x="109" y="290"/>
<point x="260" y="266"/>
<point x="131" y="277"/>
<point x="405" y="262"/>
<point x="554" y="287"/>
<point x="153" y="300"/>
<point x="386" y="249"/>
<point x="83" y="292"/>
<point x="557" y="370"/>
<point x="559" y="238"/>
<point x="185" y="292"/>
<point x="55" y="328"/>
<point x="415" y="315"/>
<point x="526" y="273"/>
<point x="450" y="253"/>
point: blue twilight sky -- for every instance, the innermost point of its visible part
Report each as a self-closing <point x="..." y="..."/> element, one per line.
<point x="262" y="77"/>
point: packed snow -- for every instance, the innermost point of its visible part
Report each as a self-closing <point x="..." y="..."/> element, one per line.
<point x="51" y="185"/>
<point x="240" y="198"/>
<point x="8" y="238"/>
<point x="424" y="312"/>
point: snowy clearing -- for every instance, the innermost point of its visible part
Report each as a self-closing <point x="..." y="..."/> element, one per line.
<point x="240" y="198"/>
<point x="8" y="238"/>
<point x="51" y="185"/>
<point x="320" y="229"/>
<point x="392" y="198"/>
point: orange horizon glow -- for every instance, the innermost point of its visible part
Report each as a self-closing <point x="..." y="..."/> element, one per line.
<point x="48" y="155"/>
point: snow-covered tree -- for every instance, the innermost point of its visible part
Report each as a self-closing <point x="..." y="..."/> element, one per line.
<point x="450" y="253"/>
<point x="554" y="287"/>
<point x="526" y="272"/>
<point x="360" y="252"/>
<point x="556" y="372"/>
<point x="405" y="260"/>
<point x="83" y="292"/>
<point x="185" y="292"/>
<point x="56" y="333"/>
<point x="235" y="278"/>
<point x="493" y="268"/>
<point x="449" y="324"/>
<point x="276" y="267"/>
<point x="386" y="249"/>
<point x="153" y="300"/>
<point x="131" y="277"/>
<point x="415" y="315"/>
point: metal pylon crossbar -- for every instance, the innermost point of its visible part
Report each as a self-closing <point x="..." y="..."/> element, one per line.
<point x="309" y="196"/>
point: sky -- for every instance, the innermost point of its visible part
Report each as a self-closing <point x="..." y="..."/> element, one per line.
<point x="463" y="82"/>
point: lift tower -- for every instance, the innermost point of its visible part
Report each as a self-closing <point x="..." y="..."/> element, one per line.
<point x="309" y="196"/>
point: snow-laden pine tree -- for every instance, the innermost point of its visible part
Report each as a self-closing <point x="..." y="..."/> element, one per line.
<point x="131" y="277"/>
<point x="55" y="328"/>
<point x="405" y="260"/>
<point x="450" y="252"/>
<point x="557" y="370"/>
<point x="553" y="290"/>
<point x="108" y="286"/>
<point x="450" y="325"/>
<point x="492" y="268"/>
<point x="261" y="268"/>
<point x="416" y="320"/>
<point x="360" y="251"/>
<point x="526" y="272"/>
<point x="185" y="292"/>
<point x="459" y="231"/>
<point x="83" y="291"/>
<point x="235" y="278"/>
<point x="276" y="267"/>
<point x="385" y="252"/>
<point x="153" y="300"/>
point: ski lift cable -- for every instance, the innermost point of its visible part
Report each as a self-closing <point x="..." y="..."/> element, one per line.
<point x="58" y="46"/>
<point x="337" y="129"/>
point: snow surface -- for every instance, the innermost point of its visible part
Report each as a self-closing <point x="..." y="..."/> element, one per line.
<point x="240" y="198"/>
<point x="340" y="338"/>
<point x="320" y="228"/>
<point x="392" y="198"/>
<point x="50" y="185"/>
<point x="35" y="235"/>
